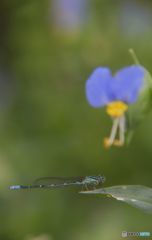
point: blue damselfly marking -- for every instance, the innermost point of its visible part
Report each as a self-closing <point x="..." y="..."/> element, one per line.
<point x="59" y="182"/>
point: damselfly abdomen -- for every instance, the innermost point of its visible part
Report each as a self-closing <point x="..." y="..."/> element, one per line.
<point x="59" y="182"/>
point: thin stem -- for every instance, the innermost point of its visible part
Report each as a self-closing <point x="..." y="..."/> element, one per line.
<point x="134" y="56"/>
<point x="122" y="129"/>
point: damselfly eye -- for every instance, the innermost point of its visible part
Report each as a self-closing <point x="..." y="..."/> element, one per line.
<point x="102" y="179"/>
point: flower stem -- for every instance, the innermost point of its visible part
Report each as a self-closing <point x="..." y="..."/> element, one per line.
<point x="122" y="129"/>
<point x="134" y="56"/>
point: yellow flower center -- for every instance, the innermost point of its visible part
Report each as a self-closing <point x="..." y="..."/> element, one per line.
<point x="116" y="109"/>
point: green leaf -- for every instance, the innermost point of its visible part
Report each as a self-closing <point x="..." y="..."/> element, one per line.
<point x="136" y="195"/>
<point x="138" y="111"/>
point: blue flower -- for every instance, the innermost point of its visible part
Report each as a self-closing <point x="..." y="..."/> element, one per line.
<point x="116" y="93"/>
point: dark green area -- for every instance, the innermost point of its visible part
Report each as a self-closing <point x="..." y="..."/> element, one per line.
<point x="47" y="128"/>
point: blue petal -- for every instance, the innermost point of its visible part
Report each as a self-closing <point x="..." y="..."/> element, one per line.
<point x="97" y="87"/>
<point x="127" y="83"/>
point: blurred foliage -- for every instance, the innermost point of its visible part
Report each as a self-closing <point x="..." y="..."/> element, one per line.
<point x="48" y="129"/>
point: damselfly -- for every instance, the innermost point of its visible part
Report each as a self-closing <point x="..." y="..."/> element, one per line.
<point x="59" y="182"/>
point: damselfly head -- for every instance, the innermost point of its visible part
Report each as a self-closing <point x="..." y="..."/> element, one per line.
<point x="101" y="179"/>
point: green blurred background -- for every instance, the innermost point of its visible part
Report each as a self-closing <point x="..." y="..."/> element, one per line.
<point x="47" y="51"/>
